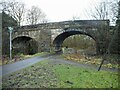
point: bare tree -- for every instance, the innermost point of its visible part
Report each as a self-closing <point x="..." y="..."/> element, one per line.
<point x="106" y="10"/>
<point x="101" y="11"/>
<point x="14" y="9"/>
<point x="114" y="10"/>
<point x="75" y="18"/>
<point x="35" y="15"/>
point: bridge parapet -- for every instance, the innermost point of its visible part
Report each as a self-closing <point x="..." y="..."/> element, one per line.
<point x="65" y="24"/>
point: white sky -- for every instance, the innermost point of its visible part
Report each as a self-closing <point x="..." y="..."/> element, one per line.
<point x="62" y="10"/>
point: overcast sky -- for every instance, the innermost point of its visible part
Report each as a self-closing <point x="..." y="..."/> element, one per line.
<point x="62" y="10"/>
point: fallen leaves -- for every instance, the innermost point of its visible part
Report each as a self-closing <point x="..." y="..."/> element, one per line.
<point x="90" y="60"/>
<point x="38" y="76"/>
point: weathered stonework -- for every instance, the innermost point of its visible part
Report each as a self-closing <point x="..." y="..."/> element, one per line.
<point x="49" y="35"/>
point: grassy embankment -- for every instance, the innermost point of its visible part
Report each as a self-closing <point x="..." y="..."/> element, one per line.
<point x="47" y="74"/>
<point x="112" y="61"/>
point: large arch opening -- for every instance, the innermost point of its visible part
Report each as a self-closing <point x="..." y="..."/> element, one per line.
<point x="59" y="40"/>
<point x="80" y="44"/>
<point x="24" y="45"/>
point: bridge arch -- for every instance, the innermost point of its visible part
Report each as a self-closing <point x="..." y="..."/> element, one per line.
<point x="58" y="41"/>
<point x="25" y="45"/>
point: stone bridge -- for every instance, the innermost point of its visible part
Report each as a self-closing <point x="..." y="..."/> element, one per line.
<point x="45" y="36"/>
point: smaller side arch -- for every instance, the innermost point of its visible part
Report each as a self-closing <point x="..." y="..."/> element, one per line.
<point x="17" y="36"/>
<point x="25" y="45"/>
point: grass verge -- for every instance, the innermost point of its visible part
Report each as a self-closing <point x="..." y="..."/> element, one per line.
<point x="47" y="74"/>
<point x="110" y="62"/>
<point x="74" y="77"/>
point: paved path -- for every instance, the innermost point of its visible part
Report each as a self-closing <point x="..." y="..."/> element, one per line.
<point x="9" y="68"/>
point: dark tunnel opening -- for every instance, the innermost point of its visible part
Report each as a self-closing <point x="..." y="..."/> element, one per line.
<point x="24" y="45"/>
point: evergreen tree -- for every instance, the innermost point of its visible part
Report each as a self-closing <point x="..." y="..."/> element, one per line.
<point x="115" y="42"/>
<point x="7" y="21"/>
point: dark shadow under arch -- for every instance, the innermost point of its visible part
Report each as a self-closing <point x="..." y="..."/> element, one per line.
<point x="25" y="45"/>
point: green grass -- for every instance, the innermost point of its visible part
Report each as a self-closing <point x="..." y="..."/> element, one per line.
<point x="50" y="75"/>
<point x="41" y="54"/>
<point x="75" y="77"/>
<point x="37" y="54"/>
